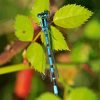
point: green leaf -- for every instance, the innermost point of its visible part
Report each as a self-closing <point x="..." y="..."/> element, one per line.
<point x="82" y="94"/>
<point x="23" y="28"/>
<point x="37" y="87"/>
<point x="38" y="7"/>
<point x="58" y="41"/>
<point x="47" y="96"/>
<point x="36" y="57"/>
<point x="80" y="53"/>
<point x="95" y="65"/>
<point x="71" y="16"/>
<point x="7" y="90"/>
<point x="95" y="26"/>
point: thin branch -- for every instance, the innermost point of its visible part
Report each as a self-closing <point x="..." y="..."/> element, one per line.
<point x="15" y="49"/>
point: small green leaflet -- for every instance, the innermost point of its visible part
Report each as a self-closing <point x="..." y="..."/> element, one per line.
<point x="36" y="57"/>
<point x="38" y="7"/>
<point x="23" y="28"/>
<point x="95" y="65"/>
<point x="82" y="93"/>
<point x="80" y="53"/>
<point x="58" y="41"/>
<point x="92" y="29"/>
<point x="71" y="16"/>
<point x="47" y="96"/>
<point x="37" y="86"/>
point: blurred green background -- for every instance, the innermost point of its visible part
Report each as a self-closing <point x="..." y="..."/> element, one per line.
<point x="84" y="42"/>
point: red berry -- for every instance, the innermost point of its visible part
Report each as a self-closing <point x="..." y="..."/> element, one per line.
<point x="23" y="83"/>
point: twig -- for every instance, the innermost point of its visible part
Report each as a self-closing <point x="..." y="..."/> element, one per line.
<point x="15" y="49"/>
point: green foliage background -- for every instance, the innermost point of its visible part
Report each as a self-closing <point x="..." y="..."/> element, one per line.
<point x="84" y="43"/>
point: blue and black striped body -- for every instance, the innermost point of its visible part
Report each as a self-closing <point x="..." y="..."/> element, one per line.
<point x="45" y="28"/>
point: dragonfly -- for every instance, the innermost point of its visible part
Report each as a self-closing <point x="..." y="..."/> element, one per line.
<point x="43" y="16"/>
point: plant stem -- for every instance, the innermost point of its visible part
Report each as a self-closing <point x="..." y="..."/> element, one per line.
<point x="37" y="36"/>
<point x="18" y="67"/>
<point x="13" y="68"/>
